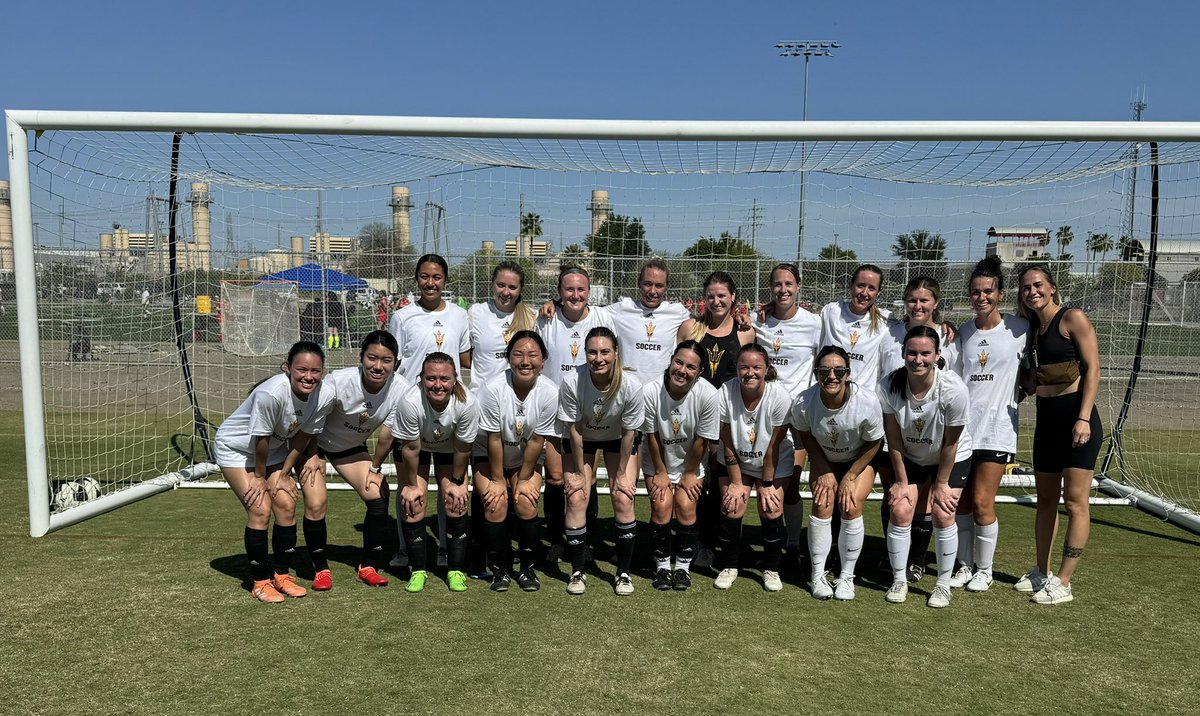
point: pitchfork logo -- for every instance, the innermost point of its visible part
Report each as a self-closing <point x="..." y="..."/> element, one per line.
<point x="439" y="337"/>
<point x="574" y="350"/>
<point x="833" y="435"/>
<point x="919" y="423"/>
<point x="650" y="329"/>
<point x="853" y="338"/>
<point x="983" y="359"/>
<point x="438" y="433"/>
<point x="778" y="340"/>
<point x="714" y="359"/>
<point x="520" y="429"/>
<point x="598" y="411"/>
<point x="752" y="436"/>
<point x="363" y="417"/>
<point x="675" y="424"/>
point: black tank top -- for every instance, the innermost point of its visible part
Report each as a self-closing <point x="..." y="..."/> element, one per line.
<point x="720" y="356"/>
<point x="1052" y="347"/>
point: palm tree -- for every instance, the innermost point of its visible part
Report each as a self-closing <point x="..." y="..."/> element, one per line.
<point x="920" y="245"/>
<point x="1130" y="250"/>
<point x="531" y="225"/>
<point x="1099" y="244"/>
<point x="1063" y="237"/>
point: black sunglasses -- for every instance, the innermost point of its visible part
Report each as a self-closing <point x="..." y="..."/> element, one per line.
<point x="839" y="372"/>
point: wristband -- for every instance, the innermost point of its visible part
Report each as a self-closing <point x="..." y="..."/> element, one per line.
<point x="375" y="469"/>
<point x="1083" y="420"/>
<point x="458" y="480"/>
<point x="766" y="483"/>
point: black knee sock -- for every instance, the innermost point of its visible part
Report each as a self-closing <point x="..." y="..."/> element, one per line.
<point x="256" y="554"/>
<point x="283" y="539"/>
<point x="499" y="545"/>
<point x="556" y="510"/>
<point x="576" y="538"/>
<point x="686" y="537"/>
<point x="660" y="543"/>
<point x="774" y="534"/>
<point x="626" y="534"/>
<point x="730" y="541"/>
<point x="593" y="517"/>
<point x="477" y="552"/>
<point x="922" y="531"/>
<point x="316" y="538"/>
<point x="374" y="526"/>
<point x="527" y="541"/>
<point x="708" y="515"/>
<point x="885" y="512"/>
<point x="456" y="538"/>
<point x="414" y="538"/>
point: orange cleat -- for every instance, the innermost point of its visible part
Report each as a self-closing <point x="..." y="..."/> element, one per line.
<point x="371" y="578"/>
<point x="323" y="582"/>
<point x="286" y="583"/>
<point x="264" y="591"/>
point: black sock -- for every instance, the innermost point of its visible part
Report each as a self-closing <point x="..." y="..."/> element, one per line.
<point x="593" y="517"/>
<point x="686" y="537"/>
<point x="730" y="541"/>
<point x="283" y="538"/>
<point x="885" y="512"/>
<point x="414" y="538"/>
<point x="374" y="526"/>
<point x="708" y="514"/>
<point x="626" y="535"/>
<point x="316" y="538"/>
<point x="256" y="553"/>
<point x="660" y="543"/>
<point x="456" y="537"/>
<point x="922" y="531"/>
<point x="527" y="541"/>
<point x="499" y="545"/>
<point x="774" y="534"/>
<point x="477" y="552"/>
<point x="556" y="510"/>
<point x="576" y="538"/>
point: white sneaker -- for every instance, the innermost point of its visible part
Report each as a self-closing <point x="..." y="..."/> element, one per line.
<point x="725" y="578"/>
<point x="442" y="559"/>
<point x="940" y="597"/>
<point x="577" y="584"/>
<point x="962" y="575"/>
<point x="820" y="587"/>
<point x="624" y="585"/>
<point x="704" y="558"/>
<point x="400" y="559"/>
<point x="843" y="589"/>
<point x="980" y="581"/>
<point x="772" y="581"/>
<point x="1031" y="582"/>
<point x="898" y="592"/>
<point x="1054" y="592"/>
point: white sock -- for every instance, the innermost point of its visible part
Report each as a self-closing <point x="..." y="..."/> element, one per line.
<point x="966" y="539"/>
<point x="985" y="545"/>
<point x="850" y="544"/>
<point x="899" y="539"/>
<point x="662" y="563"/>
<point x="441" y="521"/>
<point x="793" y="519"/>
<point x="820" y="540"/>
<point x="946" y="539"/>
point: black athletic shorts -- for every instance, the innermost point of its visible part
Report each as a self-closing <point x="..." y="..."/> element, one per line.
<point x="993" y="456"/>
<point x="425" y="457"/>
<point x="1052" y="436"/>
<point x="920" y="474"/>
<point x="339" y="454"/>
<point x="591" y="446"/>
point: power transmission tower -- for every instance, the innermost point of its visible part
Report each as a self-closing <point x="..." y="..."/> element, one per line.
<point x="434" y="228"/>
<point x="755" y="223"/>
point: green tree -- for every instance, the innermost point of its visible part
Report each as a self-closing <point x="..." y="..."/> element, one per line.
<point x="825" y="279"/>
<point x="378" y="256"/>
<point x="724" y="247"/>
<point x="1099" y="245"/>
<point x="619" y="245"/>
<point x="749" y="269"/>
<point x="922" y="253"/>
<point x="472" y="278"/>
<point x="1063" y="237"/>
<point x="531" y="225"/>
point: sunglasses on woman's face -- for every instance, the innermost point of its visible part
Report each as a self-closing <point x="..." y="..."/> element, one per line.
<point x="839" y="372"/>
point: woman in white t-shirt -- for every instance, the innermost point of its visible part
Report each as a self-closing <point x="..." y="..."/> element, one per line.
<point x="755" y="449"/>
<point x="429" y="324"/>
<point x="991" y="349"/>
<point x="683" y="415"/>
<point x="602" y="409"/>
<point x="253" y="449"/>
<point x="494" y="322"/>
<point x="518" y="414"/>
<point x="842" y="425"/>
<point x="364" y="396"/>
<point x="858" y="325"/>
<point x="435" y="425"/>
<point x="925" y="414"/>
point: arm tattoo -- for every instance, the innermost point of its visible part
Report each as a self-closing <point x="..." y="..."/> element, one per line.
<point x="1072" y="552"/>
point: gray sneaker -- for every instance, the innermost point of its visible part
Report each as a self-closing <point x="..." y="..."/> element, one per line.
<point x="1031" y="582"/>
<point x="980" y="581"/>
<point x="577" y="583"/>
<point x="898" y="592"/>
<point x="771" y="581"/>
<point x="725" y="578"/>
<point x="400" y="559"/>
<point x="624" y="585"/>
<point x="1054" y="592"/>
<point x="940" y="597"/>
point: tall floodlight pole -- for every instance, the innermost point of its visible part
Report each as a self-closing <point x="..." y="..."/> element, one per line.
<point x="805" y="49"/>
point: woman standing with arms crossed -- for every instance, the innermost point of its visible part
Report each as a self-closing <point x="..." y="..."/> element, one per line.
<point x="252" y="450"/>
<point x="1065" y="359"/>
<point x="682" y="416"/>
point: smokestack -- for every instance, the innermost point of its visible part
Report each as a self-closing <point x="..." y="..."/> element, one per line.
<point x="201" y="225"/>
<point x="297" y="251"/>
<point x="6" y="230"/>
<point x="401" y="237"/>
<point x="600" y="208"/>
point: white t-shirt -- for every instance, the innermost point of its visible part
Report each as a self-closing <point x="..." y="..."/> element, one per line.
<point x="647" y="335"/>
<point x="564" y="340"/>
<point x="893" y="349"/>
<point x="842" y="327"/>
<point x="489" y="339"/>
<point x="415" y="418"/>
<point x="354" y="414"/>
<point x="751" y="430"/>
<point x="791" y="344"/>
<point x="600" y="418"/>
<point x="516" y="420"/>
<point x="272" y="409"/>
<point x="989" y="362"/>
<point x="843" y="431"/>
<point x="678" y="422"/>
<point x="923" y="422"/>
<point x="420" y="332"/>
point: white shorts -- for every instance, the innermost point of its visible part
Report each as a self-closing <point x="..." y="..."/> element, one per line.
<point x="228" y="456"/>
<point x="675" y="477"/>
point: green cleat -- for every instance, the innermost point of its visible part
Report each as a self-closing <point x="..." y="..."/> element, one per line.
<point x="457" y="580"/>
<point x="416" y="582"/>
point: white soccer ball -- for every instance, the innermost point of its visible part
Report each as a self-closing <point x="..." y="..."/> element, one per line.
<point x="67" y="494"/>
<point x="89" y="487"/>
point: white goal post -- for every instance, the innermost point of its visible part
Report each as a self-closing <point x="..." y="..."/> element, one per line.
<point x="768" y="148"/>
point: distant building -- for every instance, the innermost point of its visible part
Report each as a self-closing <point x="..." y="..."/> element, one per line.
<point x="273" y="261"/>
<point x="1014" y="244"/>
<point x="124" y="248"/>
<point x="323" y="243"/>
<point x="526" y="246"/>
<point x="1176" y="257"/>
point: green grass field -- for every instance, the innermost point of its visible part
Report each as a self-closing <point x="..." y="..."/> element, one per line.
<point x="143" y="611"/>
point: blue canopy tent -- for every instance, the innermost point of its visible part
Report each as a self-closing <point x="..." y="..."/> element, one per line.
<point x="311" y="277"/>
<point x="325" y="317"/>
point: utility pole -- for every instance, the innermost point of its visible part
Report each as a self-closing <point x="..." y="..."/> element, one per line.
<point x="755" y="222"/>
<point x="1138" y="105"/>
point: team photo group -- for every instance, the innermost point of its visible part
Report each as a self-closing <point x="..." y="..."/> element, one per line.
<point x="710" y="412"/>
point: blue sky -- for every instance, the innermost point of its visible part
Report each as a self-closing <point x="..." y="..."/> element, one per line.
<point x="618" y="59"/>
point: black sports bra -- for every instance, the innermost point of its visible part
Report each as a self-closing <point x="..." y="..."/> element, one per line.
<point x="1055" y="357"/>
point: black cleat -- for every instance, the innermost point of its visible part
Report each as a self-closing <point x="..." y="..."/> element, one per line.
<point x="681" y="580"/>
<point x="915" y="572"/>
<point x="528" y="581"/>
<point x="500" y="581"/>
<point x="662" y="580"/>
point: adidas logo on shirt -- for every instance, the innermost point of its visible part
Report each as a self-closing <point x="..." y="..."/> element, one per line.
<point x="833" y="421"/>
<point x="575" y="334"/>
<point x="676" y="411"/>
<point x="368" y="404"/>
<point x="437" y="324"/>
<point x="983" y="343"/>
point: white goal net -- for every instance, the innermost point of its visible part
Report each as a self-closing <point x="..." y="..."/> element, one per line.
<point x="260" y="318"/>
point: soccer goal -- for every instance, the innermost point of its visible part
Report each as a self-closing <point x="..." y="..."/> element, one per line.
<point x="128" y="230"/>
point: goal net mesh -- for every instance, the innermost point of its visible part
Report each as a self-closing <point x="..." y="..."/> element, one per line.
<point x="259" y="318"/>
